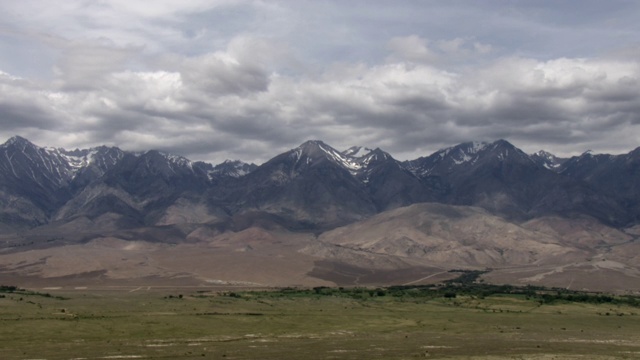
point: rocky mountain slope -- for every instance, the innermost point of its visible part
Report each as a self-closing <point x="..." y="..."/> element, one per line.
<point x="313" y="184"/>
<point x="504" y="180"/>
<point x="341" y="216"/>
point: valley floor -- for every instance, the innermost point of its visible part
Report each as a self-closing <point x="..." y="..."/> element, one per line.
<point x="187" y="323"/>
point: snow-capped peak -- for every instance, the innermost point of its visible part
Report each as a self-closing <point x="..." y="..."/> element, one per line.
<point x="548" y="160"/>
<point x="346" y="161"/>
<point x="544" y="154"/>
<point x="477" y="146"/>
<point x="177" y="159"/>
<point x="464" y="152"/>
<point x="352" y="159"/>
<point x="357" y="151"/>
<point x="373" y="155"/>
<point x="17" y="141"/>
<point x="76" y="160"/>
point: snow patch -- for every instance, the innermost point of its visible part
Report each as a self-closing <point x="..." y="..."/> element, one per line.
<point x="478" y="146"/>
<point x="349" y="163"/>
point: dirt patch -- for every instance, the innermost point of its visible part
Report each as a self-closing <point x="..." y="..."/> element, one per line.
<point x="348" y="275"/>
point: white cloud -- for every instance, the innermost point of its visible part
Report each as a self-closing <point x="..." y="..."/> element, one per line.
<point x="407" y="108"/>
<point x="225" y="79"/>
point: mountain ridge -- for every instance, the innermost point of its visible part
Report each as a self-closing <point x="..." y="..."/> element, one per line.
<point x="318" y="184"/>
<point x="319" y="215"/>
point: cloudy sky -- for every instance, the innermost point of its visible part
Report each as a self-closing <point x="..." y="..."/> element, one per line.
<point x="218" y="79"/>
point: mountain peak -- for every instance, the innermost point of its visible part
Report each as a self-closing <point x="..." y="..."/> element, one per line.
<point x="311" y="144"/>
<point x="499" y="145"/>
<point x="477" y="146"/>
<point x="316" y="151"/>
<point x="548" y="160"/>
<point x="472" y="153"/>
<point x="311" y="148"/>
<point x="465" y="152"/>
<point x="377" y="153"/>
<point x="502" y="142"/>
<point x="503" y="150"/>
<point x="233" y="168"/>
<point x="18" y="141"/>
<point x="375" y="156"/>
<point x="544" y="154"/>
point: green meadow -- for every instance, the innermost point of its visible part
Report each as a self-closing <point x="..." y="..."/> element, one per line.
<point x="322" y="323"/>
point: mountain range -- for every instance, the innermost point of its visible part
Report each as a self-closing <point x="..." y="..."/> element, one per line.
<point x="330" y="216"/>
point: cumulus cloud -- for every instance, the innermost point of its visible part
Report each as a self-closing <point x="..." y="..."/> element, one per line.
<point x="251" y="93"/>
<point x="23" y="105"/>
<point x="240" y="70"/>
<point x="216" y="103"/>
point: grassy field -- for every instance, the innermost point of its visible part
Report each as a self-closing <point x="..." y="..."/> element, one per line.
<point x="163" y="324"/>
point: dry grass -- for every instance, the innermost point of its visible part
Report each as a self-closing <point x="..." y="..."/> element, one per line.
<point x="151" y="325"/>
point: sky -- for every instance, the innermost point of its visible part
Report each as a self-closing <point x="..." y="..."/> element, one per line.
<point x="219" y="79"/>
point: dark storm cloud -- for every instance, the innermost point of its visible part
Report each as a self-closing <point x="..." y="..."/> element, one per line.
<point x="24" y="106"/>
<point x="17" y="116"/>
